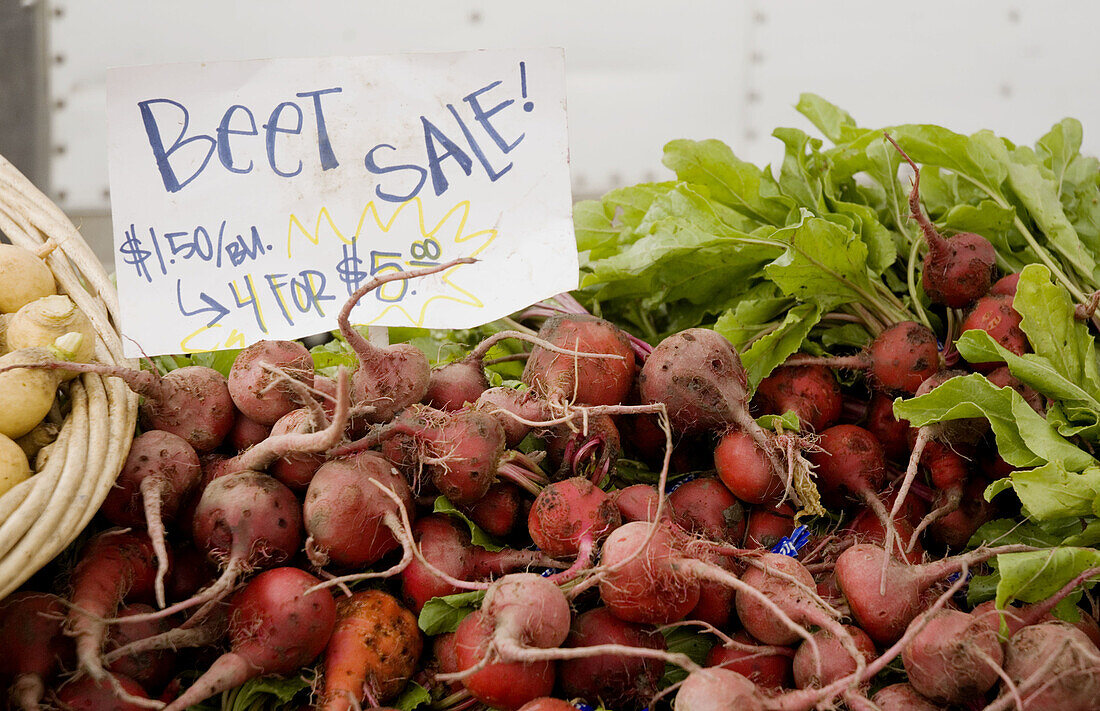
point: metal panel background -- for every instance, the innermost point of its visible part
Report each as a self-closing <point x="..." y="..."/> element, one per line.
<point x="639" y="73"/>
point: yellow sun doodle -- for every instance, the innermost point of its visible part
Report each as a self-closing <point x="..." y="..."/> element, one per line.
<point x="448" y="236"/>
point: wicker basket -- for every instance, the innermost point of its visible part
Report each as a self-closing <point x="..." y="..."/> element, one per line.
<point x="44" y="514"/>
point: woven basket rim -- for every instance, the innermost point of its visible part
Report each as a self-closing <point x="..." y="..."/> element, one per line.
<point x="41" y="516"/>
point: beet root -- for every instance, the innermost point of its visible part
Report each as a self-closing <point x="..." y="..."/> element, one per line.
<point x="152" y="669"/>
<point x="525" y="681"/>
<point x="87" y="694"/>
<point x="453" y="385"/>
<point x="30" y="625"/>
<point x="850" y="465"/>
<point x="954" y="658"/>
<point x="698" y="375"/>
<point x="577" y="379"/>
<point x="1054" y="666"/>
<point x="389" y="378"/>
<point x="957" y="271"/>
<point x="820" y="664"/>
<point x="194" y="403"/>
<point x="705" y="507"/>
<point x="904" y="356"/>
<point x="649" y="589"/>
<point x="243" y="521"/>
<point x="348" y="516"/>
<point x="995" y="316"/>
<point x="570" y="514"/>
<point x="770" y="668"/>
<point x="114" y="566"/>
<point x="717" y="689"/>
<point x="902" y="697"/>
<point x="810" y="391"/>
<point x="257" y="379"/>
<point x="616" y="680"/>
<point x="746" y="470"/>
<point x="160" y="471"/>
<point x="277" y="624"/>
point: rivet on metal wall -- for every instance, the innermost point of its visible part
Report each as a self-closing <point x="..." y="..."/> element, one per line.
<point x="475" y="17"/>
<point x="59" y="12"/>
<point x="752" y="96"/>
<point x="59" y="149"/>
<point x="106" y="193"/>
<point x="1006" y="90"/>
<point x="59" y="104"/>
<point x="62" y="195"/>
<point x="1013" y="15"/>
<point x="59" y="59"/>
<point x="759" y="17"/>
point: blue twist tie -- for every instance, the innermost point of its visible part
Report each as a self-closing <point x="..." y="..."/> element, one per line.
<point x="955" y="576"/>
<point x="793" y="544"/>
<point x="682" y="481"/>
<point x="961" y="594"/>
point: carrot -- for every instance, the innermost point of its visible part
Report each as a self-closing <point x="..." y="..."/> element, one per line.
<point x="373" y="651"/>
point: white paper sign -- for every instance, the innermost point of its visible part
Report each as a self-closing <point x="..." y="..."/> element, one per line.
<point x="251" y="198"/>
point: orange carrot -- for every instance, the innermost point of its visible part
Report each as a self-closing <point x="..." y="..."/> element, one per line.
<point x="373" y="651"/>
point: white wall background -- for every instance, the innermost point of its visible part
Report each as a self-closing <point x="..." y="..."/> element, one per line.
<point x="639" y="73"/>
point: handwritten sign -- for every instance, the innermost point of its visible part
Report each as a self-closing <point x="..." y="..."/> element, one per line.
<point x="251" y="198"/>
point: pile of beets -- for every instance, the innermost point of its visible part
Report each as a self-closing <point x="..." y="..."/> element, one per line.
<point x="279" y="520"/>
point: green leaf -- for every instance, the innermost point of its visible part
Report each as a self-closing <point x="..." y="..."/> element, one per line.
<point x="603" y="226"/>
<point x="851" y="334"/>
<point x="478" y="537"/>
<point x="1089" y="536"/>
<point x="1038" y="190"/>
<point x="730" y="180"/>
<point x="826" y="264"/>
<point x="690" y="254"/>
<point x="769" y="352"/>
<point x="800" y="173"/>
<point x="882" y="250"/>
<point x="835" y="123"/>
<point x="1035" y="576"/>
<point x="1052" y="492"/>
<point x="978" y="346"/>
<point x="997" y="487"/>
<point x="328" y="357"/>
<point x="1064" y="363"/>
<point x="1024" y="438"/>
<point x="1047" y="317"/>
<point x="684" y="640"/>
<point x="267" y="693"/>
<point x="593" y="227"/>
<point x="1001" y="532"/>
<point x="1059" y="147"/>
<point x="1004" y="532"/>
<point x="443" y="614"/>
<point x="412" y="697"/>
<point x="165" y="364"/>
<point x="752" y="313"/>
<point x="788" y="421"/>
<point x="220" y="361"/>
<point x="981" y="156"/>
